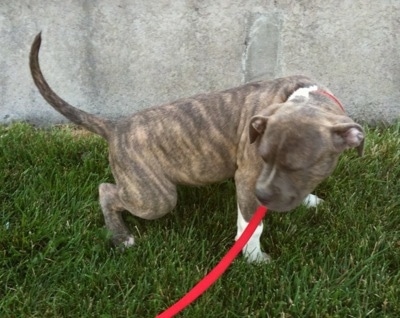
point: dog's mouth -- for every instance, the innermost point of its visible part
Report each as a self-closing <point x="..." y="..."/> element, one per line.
<point x="278" y="204"/>
<point x="279" y="207"/>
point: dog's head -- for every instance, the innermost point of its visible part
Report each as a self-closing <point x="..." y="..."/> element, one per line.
<point x="299" y="142"/>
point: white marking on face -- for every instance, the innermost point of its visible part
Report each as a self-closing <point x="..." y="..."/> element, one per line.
<point x="303" y="92"/>
<point x="252" y="250"/>
<point x="271" y="176"/>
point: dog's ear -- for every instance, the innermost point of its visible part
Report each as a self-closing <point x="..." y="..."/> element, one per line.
<point x="257" y="127"/>
<point x="348" y="135"/>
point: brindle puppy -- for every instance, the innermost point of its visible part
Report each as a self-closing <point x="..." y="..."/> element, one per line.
<point x="278" y="139"/>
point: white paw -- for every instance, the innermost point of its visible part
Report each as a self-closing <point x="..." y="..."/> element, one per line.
<point x="257" y="257"/>
<point x="252" y="250"/>
<point x="129" y="242"/>
<point x="312" y="201"/>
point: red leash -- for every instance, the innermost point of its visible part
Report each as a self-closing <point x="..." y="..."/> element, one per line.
<point x="218" y="270"/>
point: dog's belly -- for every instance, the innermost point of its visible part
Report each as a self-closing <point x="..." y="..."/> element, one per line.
<point x="202" y="173"/>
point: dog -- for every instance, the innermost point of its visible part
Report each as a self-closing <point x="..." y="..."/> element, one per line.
<point x="278" y="139"/>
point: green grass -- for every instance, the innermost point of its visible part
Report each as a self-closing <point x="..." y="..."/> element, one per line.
<point x="340" y="260"/>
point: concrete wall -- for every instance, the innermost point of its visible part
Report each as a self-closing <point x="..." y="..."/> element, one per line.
<point x="118" y="56"/>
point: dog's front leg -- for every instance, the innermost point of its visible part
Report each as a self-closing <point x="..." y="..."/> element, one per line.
<point x="247" y="205"/>
<point x="252" y="250"/>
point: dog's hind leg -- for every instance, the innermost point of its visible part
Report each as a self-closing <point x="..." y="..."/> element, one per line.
<point x="115" y="199"/>
<point x="112" y="208"/>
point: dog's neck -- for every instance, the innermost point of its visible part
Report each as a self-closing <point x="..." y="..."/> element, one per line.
<point x="306" y="91"/>
<point x="332" y="97"/>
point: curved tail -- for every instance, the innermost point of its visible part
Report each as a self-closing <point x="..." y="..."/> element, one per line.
<point x="100" y="126"/>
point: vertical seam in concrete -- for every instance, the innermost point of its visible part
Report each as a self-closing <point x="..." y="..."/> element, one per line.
<point x="260" y="58"/>
<point x="90" y="59"/>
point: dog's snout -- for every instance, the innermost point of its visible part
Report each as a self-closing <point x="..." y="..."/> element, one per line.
<point x="273" y="198"/>
<point x="265" y="197"/>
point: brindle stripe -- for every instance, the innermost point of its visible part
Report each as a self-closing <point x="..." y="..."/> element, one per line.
<point x="140" y="176"/>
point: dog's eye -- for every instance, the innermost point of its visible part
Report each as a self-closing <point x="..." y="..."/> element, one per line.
<point x="290" y="162"/>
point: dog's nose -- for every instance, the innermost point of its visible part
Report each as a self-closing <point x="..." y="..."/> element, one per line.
<point x="264" y="197"/>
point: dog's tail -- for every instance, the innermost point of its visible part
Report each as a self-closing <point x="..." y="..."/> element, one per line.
<point x="100" y="126"/>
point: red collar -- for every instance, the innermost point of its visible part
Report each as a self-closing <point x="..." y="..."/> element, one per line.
<point x="331" y="96"/>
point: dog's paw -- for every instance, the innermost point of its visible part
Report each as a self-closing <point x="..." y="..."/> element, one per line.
<point x="123" y="241"/>
<point x="312" y="201"/>
<point x="257" y="258"/>
<point x="130" y="241"/>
